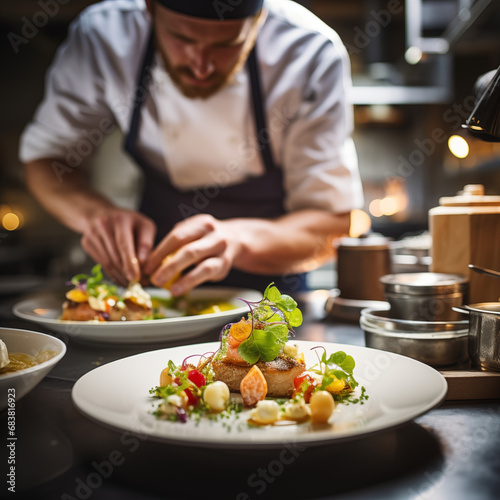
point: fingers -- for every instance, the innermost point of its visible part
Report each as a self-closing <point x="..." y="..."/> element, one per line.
<point x="97" y="251"/>
<point x="124" y="238"/>
<point x="101" y="238"/>
<point x="122" y="241"/>
<point x="207" y="256"/>
<point x="211" y="269"/>
<point x="116" y="240"/>
<point x="104" y="232"/>
<point x="183" y="233"/>
<point x="145" y="233"/>
<point x="134" y="240"/>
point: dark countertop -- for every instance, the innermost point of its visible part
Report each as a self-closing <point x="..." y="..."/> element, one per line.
<point x="449" y="452"/>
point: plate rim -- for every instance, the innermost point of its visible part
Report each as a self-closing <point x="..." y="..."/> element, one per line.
<point x="261" y="445"/>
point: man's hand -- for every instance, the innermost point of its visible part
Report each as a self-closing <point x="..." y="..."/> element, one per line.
<point x="121" y="241"/>
<point x="202" y="243"/>
<point x="205" y="248"/>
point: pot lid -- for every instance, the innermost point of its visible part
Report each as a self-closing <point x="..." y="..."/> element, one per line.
<point x="424" y="283"/>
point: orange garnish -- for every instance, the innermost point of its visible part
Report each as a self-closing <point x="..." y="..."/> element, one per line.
<point x="77" y="295"/>
<point x="253" y="387"/>
<point x="240" y="331"/>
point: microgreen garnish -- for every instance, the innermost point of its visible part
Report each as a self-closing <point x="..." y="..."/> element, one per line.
<point x="339" y="366"/>
<point x="94" y="282"/>
<point x="273" y="319"/>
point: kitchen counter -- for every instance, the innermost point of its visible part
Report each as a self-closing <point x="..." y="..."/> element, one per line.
<point x="449" y="452"/>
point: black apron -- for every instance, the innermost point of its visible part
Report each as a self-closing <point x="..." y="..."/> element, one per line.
<point x="260" y="197"/>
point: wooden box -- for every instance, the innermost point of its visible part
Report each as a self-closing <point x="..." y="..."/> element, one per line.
<point x="466" y="230"/>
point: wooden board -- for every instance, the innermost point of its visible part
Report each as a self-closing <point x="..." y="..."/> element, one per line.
<point x="472" y="384"/>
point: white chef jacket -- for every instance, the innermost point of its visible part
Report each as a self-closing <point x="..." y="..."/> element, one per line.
<point x="305" y="75"/>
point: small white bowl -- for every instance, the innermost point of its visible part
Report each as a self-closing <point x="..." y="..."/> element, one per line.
<point x="15" y="385"/>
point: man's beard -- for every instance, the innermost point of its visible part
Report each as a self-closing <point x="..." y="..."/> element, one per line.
<point x="217" y="80"/>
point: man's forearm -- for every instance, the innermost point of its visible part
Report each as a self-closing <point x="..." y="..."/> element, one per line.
<point x="295" y="242"/>
<point x="70" y="199"/>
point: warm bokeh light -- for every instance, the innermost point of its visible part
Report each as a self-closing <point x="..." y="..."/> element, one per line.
<point x="388" y="205"/>
<point x="360" y="223"/>
<point x="10" y="221"/>
<point x="10" y="218"/>
<point x="458" y="146"/>
<point x="394" y="202"/>
<point x="375" y="209"/>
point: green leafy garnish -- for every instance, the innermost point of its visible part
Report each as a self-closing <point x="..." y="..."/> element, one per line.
<point x="263" y="344"/>
<point x="338" y="366"/>
<point x="273" y="318"/>
<point x="285" y="304"/>
<point x="94" y="282"/>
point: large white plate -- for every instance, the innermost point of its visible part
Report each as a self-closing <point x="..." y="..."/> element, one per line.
<point x="45" y="310"/>
<point x="399" y="389"/>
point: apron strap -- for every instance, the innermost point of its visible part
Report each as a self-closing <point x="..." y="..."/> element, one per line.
<point x="262" y="130"/>
<point x="141" y="92"/>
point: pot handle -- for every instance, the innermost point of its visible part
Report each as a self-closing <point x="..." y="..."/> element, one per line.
<point x="461" y="310"/>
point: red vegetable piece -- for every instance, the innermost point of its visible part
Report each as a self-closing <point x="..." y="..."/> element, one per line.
<point x="193" y="400"/>
<point x="197" y="378"/>
<point x="298" y="381"/>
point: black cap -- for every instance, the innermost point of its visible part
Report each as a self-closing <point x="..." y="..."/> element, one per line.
<point x="214" y="9"/>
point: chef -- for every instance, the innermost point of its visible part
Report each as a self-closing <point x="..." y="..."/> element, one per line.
<point x="237" y="113"/>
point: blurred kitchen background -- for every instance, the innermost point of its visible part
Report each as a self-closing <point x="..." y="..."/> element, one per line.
<point x="414" y="65"/>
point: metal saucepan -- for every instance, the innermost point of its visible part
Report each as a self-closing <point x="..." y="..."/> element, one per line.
<point x="484" y="334"/>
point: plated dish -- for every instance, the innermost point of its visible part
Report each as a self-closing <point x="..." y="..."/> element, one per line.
<point x="399" y="389"/>
<point x="258" y="363"/>
<point x="45" y="309"/>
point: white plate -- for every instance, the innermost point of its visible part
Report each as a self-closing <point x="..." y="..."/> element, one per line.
<point x="399" y="389"/>
<point x="45" y="310"/>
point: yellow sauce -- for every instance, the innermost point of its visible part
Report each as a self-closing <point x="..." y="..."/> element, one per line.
<point x="20" y="361"/>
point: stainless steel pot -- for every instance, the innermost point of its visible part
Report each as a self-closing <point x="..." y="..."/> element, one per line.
<point x="436" y="343"/>
<point x="484" y="334"/>
<point x="425" y="296"/>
